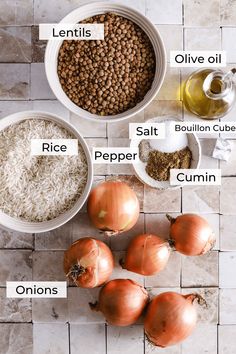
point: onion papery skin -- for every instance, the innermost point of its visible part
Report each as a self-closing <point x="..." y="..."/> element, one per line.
<point x="122" y="302"/>
<point x="147" y="254"/>
<point x="191" y="234"/>
<point x="170" y="318"/>
<point x="88" y="262"/>
<point x="113" y="207"/>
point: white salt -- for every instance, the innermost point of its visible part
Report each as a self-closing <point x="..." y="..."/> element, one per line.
<point x="172" y="142"/>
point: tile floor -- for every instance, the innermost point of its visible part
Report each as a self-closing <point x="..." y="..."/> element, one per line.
<point x="67" y="326"/>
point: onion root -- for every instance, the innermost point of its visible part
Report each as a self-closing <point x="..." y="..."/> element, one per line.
<point x="75" y="271"/>
<point x="200" y="300"/>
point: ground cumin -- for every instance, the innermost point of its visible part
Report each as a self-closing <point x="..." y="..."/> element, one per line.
<point x="159" y="163"/>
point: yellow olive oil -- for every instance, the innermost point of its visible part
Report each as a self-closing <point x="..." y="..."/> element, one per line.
<point x="208" y="94"/>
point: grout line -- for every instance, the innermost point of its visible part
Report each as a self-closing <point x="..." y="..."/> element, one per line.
<point x="106" y="348"/>
<point x="69" y="338"/>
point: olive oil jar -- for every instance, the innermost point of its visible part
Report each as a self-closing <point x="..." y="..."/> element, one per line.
<point x="209" y="93"/>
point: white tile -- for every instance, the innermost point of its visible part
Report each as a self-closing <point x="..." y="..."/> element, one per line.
<point x="51" y="12"/>
<point x="119" y="169"/>
<point x="48" y="266"/>
<point x="14" y="239"/>
<point x="50" y="339"/>
<point x="14" y="310"/>
<point x="99" y="169"/>
<point x="156" y="200"/>
<point x="228" y="168"/>
<point x="7" y="107"/>
<point x="227" y="196"/>
<point x="170" y="89"/>
<point x="227" y="343"/>
<point x="15" y="81"/>
<point x="58" y="239"/>
<point x="54" y="107"/>
<point x="121" y="129"/>
<point x="128" y="340"/>
<point x="16" y="12"/>
<point x="227" y="306"/>
<point x="229" y="44"/>
<point x="227" y="265"/>
<point x="172" y="37"/>
<point x="40" y="89"/>
<point x="163" y="109"/>
<point x="202" y="340"/>
<point x="200" y="271"/>
<point x="15" y="265"/>
<point x="24" y="334"/>
<point x="138" y="5"/>
<point x="78" y="306"/>
<point x="201" y="13"/>
<point x="207" y="147"/>
<point x="227" y="233"/>
<point x="15" y="44"/>
<point x="49" y="310"/>
<point x="89" y="129"/>
<point x="195" y="38"/>
<point x="164" y="11"/>
<point x="228" y="12"/>
<point x="87" y="339"/>
<point x="201" y="199"/>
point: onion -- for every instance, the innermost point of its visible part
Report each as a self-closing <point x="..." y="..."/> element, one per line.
<point x="147" y="254"/>
<point x="170" y="318"/>
<point x="191" y="234"/>
<point x="88" y="262"/>
<point x="113" y="207"/>
<point x="121" y="301"/>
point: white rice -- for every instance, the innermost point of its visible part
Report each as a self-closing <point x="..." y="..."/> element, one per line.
<point x="38" y="188"/>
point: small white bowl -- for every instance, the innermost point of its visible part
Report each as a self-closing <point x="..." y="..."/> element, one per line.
<point x="37" y="227"/>
<point x="139" y="167"/>
<point x="95" y="8"/>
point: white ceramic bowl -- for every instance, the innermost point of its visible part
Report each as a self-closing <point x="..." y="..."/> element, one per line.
<point x="37" y="227"/>
<point x="93" y="9"/>
<point x="139" y="167"/>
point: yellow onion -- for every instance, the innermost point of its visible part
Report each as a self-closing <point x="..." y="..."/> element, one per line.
<point x="121" y="301"/>
<point x="113" y="207"/>
<point x="191" y="234"/>
<point x="170" y="318"/>
<point x="88" y="262"/>
<point x="147" y="254"/>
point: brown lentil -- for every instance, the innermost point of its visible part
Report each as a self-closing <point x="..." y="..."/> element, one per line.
<point x="125" y="56"/>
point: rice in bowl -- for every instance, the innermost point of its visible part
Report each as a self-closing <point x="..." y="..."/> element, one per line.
<point x="38" y="188"/>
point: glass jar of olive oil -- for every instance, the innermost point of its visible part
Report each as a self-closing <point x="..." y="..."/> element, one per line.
<point x="209" y="93"/>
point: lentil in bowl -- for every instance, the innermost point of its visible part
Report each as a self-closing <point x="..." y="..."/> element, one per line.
<point x="101" y="8"/>
<point x="110" y="76"/>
